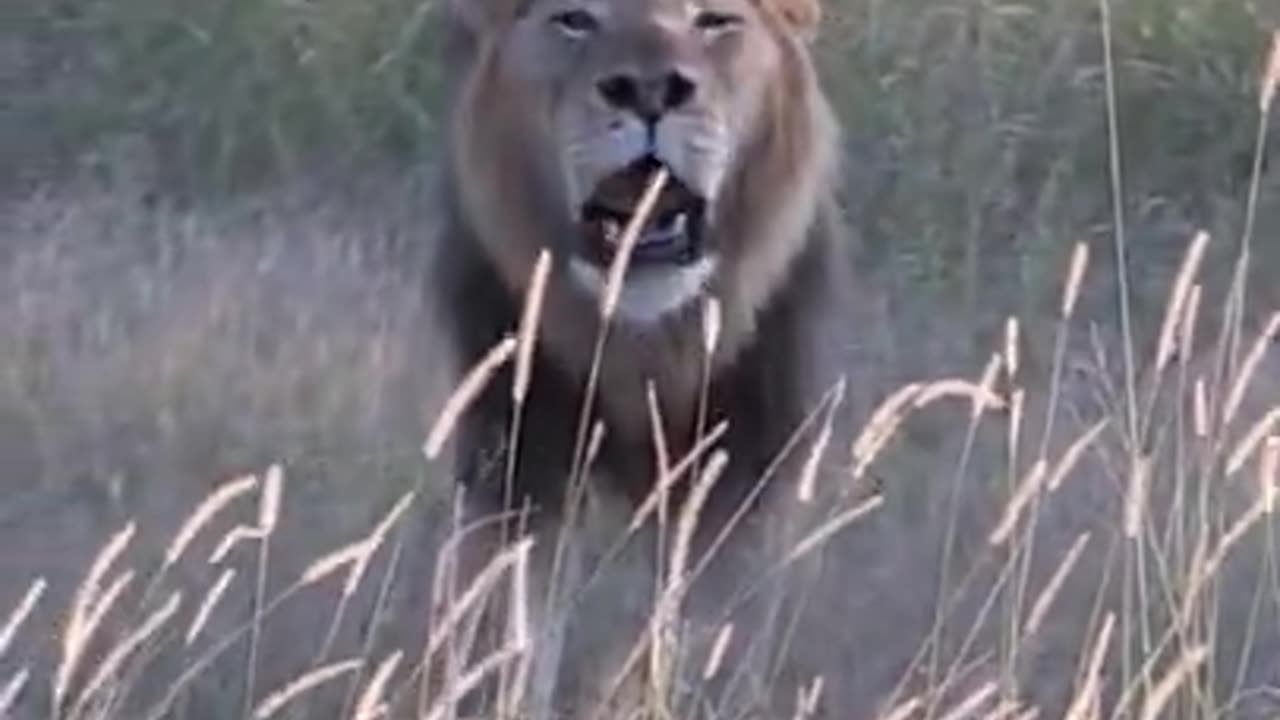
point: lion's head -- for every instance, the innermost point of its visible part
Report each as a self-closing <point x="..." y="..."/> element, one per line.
<point x="563" y="108"/>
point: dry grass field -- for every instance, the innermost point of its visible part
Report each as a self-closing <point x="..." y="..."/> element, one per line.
<point x="218" y="368"/>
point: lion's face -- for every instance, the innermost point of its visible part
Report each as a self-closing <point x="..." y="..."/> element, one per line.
<point x="634" y="85"/>
<point x="609" y="91"/>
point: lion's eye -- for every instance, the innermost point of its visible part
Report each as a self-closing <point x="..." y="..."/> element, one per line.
<point x="716" y="22"/>
<point x="575" y="23"/>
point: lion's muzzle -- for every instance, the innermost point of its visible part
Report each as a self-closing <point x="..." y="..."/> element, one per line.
<point x="607" y="171"/>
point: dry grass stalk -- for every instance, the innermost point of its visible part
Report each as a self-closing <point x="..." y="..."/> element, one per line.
<point x="366" y="548"/>
<point x="808" y="698"/>
<point x="689" y="515"/>
<point x="379" y="534"/>
<point x="445" y="705"/>
<point x="650" y="503"/>
<point x="1012" y="710"/>
<point x="528" y="332"/>
<point x="371" y="706"/>
<point x="1197" y="576"/>
<point x="807" y="485"/>
<point x="1200" y="408"/>
<point x="235" y="536"/>
<point x="1075" y="278"/>
<point x="882" y="426"/>
<point x="356" y="556"/>
<point x="594" y="443"/>
<point x="480" y="586"/>
<point x="1206" y="565"/>
<point x="1027" y="489"/>
<point x="80" y="631"/>
<point x="512" y="690"/>
<point x="1017" y="404"/>
<point x="106" y="556"/>
<point x="476" y="379"/>
<point x="1086" y="696"/>
<point x="1178" y="298"/>
<point x="903" y="710"/>
<point x="20" y="613"/>
<point x="1011" y="339"/>
<point x="981" y="395"/>
<point x="11" y="690"/>
<point x="217" y="500"/>
<point x="968" y="707"/>
<point x="829" y="528"/>
<point x="712" y="321"/>
<point x="657" y="430"/>
<point x="668" y="604"/>
<point x="1190" y="315"/>
<point x="272" y="492"/>
<point x="1271" y="77"/>
<point x="1040" y="608"/>
<point x="1003" y="710"/>
<point x="450" y="551"/>
<point x="519" y="602"/>
<point x="627" y="243"/>
<point x="718" y="649"/>
<point x="1206" y="570"/>
<point x="321" y="675"/>
<point x="205" y="611"/>
<point x="122" y="651"/>
<point x="1257" y="434"/>
<point x="107" y="600"/>
<point x="1164" y="690"/>
<point x="347" y="556"/>
<point x="87" y="593"/>
<point x="986" y="384"/>
<point x="1268" y="477"/>
<point x="1136" y="498"/>
<point x="1250" y="367"/>
<point x="1072" y="456"/>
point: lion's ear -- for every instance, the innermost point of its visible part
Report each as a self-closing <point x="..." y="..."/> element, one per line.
<point x="478" y="15"/>
<point x="803" y="15"/>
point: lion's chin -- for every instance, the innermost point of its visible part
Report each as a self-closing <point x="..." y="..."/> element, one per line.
<point x="649" y="292"/>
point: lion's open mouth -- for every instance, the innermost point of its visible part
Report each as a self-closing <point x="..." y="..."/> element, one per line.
<point x="673" y="233"/>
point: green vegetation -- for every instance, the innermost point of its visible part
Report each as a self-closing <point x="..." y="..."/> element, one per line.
<point x="976" y="127"/>
<point x="228" y="92"/>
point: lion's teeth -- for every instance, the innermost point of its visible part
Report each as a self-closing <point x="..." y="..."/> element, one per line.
<point x="664" y="230"/>
<point x="679" y="223"/>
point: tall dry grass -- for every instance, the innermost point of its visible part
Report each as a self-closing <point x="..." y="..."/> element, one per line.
<point x="1157" y="642"/>
<point x="1159" y="600"/>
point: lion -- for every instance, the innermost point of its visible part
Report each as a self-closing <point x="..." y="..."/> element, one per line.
<point x="559" y="114"/>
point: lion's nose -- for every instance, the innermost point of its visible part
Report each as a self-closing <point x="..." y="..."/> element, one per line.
<point x="649" y="97"/>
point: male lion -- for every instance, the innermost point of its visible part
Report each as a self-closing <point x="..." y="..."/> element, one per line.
<point x="559" y="113"/>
